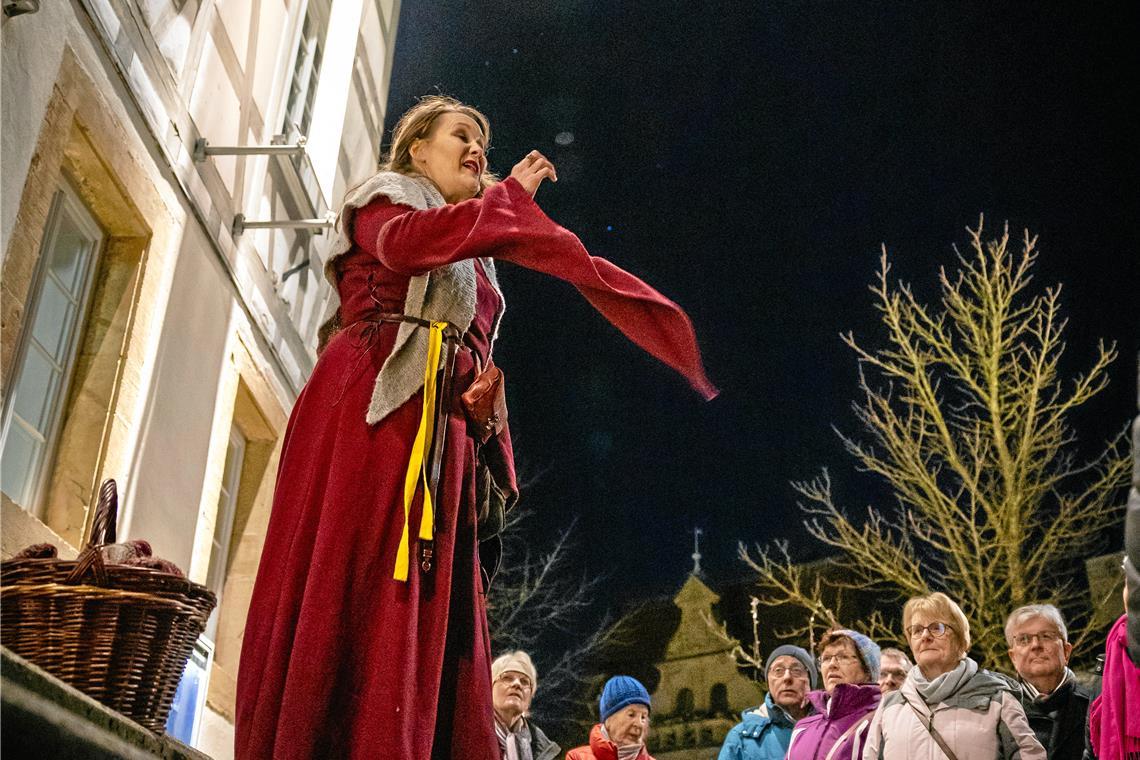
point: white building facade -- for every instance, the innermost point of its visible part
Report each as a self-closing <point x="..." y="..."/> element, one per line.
<point x="168" y="170"/>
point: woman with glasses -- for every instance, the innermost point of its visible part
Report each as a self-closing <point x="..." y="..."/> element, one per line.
<point x="849" y="665"/>
<point x="948" y="708"/>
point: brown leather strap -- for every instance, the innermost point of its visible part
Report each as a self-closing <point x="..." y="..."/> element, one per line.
<point x="929" y="725"/>
<point x="451" y="333"/>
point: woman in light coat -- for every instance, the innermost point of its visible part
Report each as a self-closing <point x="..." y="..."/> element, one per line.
<point x="948" y="707"/>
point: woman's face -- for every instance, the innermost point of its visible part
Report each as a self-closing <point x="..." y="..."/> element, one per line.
<point x="452" y="156"/>
<point x="934" y="655"/>
<point x="511" y="694"/>
<point x="629" y="725"/>
<point x="840" y="663"/>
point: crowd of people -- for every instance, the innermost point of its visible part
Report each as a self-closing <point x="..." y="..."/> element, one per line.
<point x="367" y="630"/>
<point x="853" y="700"/>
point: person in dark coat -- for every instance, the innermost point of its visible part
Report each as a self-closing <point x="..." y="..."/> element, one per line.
<point x="1055" y="704"/>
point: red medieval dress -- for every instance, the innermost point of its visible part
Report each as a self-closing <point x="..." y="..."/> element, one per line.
<point x="339" y="660"/>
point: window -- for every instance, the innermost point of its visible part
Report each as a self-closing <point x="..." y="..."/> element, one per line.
<point x="40" y="381"/>
<point x="224" y="525"/>
<point x="718" y="700"/>
<point x="185" y="717"/>
<point x="685" y="703"/>
<point x="306" y="71"/>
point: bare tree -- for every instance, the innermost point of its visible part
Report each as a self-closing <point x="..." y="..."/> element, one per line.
<point x="540" y="604"/>
<point x="967" y="422"/>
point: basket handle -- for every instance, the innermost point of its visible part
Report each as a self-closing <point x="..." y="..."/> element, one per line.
<point x="90" y="561"/>
<point x="106" y="515"/>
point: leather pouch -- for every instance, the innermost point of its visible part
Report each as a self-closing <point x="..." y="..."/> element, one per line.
<point x="486" y="402"/>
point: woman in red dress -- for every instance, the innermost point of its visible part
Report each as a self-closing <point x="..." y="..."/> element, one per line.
<point x="367" y="633"/>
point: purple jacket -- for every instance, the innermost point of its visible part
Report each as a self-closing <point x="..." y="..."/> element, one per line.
<point x="849" y="705"/>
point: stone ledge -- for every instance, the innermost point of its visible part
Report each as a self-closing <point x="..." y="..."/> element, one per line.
<point x="44" y="717"/>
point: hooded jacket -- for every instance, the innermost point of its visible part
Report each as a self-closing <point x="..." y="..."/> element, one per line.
<point x="839" y="727"/>
<point x="762" y="734"/>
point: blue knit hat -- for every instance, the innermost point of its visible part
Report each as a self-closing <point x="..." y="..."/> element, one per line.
<point x="800" y="654"/>
<point x="619" y="692"/>
<point x="868" y="651"/>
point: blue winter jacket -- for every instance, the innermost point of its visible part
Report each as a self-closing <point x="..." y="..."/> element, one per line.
<point x="763" y="735"/>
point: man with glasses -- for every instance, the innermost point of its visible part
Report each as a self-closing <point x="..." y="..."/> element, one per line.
<point x="893" y="667"/>
<point x="1055" y="704"/>
<point x="766" y="730"/>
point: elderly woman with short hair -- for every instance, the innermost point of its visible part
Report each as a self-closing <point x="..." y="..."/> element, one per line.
<point x="947" y="706"/>
<point x="849" y="666"/>
<point x="624" y="710"/>
<point x="514" y="681"/>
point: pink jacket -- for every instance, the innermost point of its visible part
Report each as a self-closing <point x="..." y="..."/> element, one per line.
<point x="1114" y="717"/>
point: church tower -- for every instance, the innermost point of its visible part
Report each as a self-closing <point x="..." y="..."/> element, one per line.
<point x="701" y="692"/>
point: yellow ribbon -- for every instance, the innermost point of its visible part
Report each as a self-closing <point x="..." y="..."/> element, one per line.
<point x="417" y="463"/>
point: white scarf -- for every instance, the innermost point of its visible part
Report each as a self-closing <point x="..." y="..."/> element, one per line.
<point x="1033" y="693"/>
<point x="447" y="293"/>
<point x="514" y="743"/>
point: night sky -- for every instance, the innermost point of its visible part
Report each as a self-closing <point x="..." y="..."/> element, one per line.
<point x="748" y="159"/>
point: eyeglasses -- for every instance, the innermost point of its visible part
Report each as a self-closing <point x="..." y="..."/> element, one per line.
<point x="511" y="677"/>
<point x="1045" y="637"/>
<point x="936" y="630"/>
<point x="841" y="659"/>
<point x="795" y="671"/>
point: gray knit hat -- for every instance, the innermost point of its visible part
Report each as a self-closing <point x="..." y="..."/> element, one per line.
<point x="868" y="650"/>
<point x="800" y="654"/>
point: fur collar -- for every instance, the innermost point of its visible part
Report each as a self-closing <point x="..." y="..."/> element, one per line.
<point x="446" y="293"/>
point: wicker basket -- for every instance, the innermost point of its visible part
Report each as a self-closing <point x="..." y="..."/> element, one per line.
<point x="120" y="634"/>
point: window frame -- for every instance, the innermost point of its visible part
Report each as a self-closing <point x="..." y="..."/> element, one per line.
<point x="318" y="12"/>
<point x="227" y="511"/>
<point x="64" y="198"/>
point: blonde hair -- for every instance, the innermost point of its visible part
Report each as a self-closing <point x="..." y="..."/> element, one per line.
<point x="940" y="607"/>
<point x="419" y="122"/>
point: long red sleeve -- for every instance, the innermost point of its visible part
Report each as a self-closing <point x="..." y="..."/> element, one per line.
<point x="507" y="224"/>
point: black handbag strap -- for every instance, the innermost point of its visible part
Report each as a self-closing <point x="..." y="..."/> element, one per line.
<point x="928" y="723"/>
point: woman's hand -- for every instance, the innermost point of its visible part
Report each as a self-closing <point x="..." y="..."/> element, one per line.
<point x="532" y="170"/>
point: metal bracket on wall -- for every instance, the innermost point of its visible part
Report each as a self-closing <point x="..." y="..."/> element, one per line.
<point x="318" y="226"/>
<point x="203" y="150"/>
